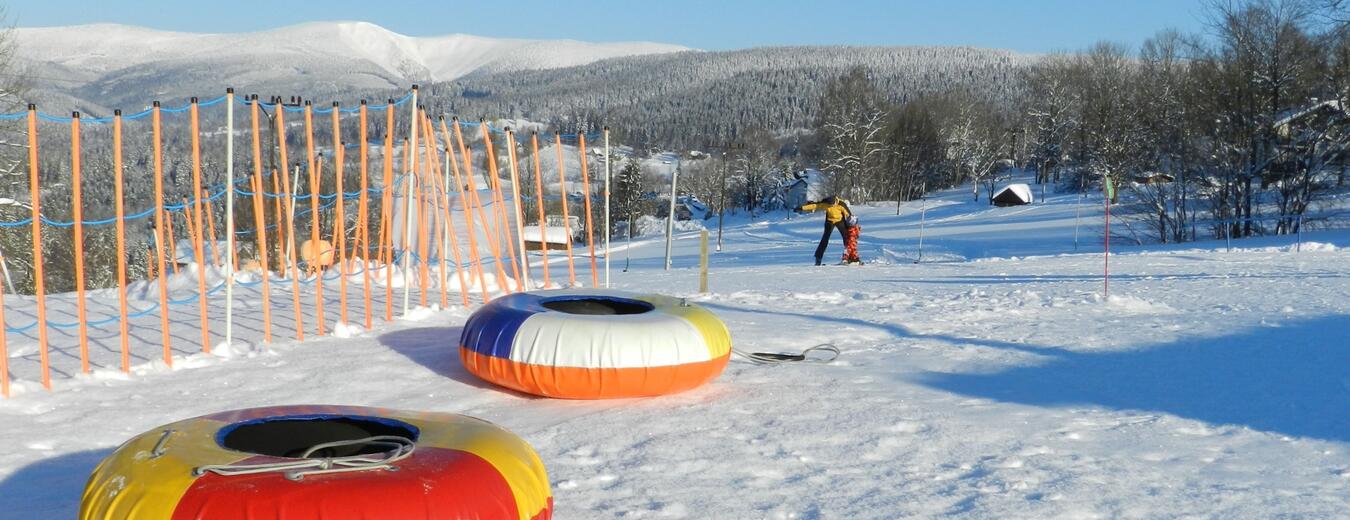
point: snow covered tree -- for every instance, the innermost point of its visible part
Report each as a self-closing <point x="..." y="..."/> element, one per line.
<point x="15" y="243"/>
<point x="851" y="126"/>
<point x="626" y="200"/>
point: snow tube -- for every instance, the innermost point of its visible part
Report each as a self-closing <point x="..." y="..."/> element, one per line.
<point x="311" y="462"/>
<point x="594" y="344"/>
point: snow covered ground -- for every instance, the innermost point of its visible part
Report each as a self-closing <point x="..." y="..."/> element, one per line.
<point x="993" y="379"/>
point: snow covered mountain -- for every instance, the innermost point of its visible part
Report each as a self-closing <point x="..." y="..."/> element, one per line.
<point x="108" y="65"/>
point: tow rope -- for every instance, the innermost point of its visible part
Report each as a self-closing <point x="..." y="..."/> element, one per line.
<point x="774" y="358"/>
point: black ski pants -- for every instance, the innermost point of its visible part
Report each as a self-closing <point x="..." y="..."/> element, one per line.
<point x="825" y="238"/>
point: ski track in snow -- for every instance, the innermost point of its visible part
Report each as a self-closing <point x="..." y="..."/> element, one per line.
<point x="1209" y="383"/>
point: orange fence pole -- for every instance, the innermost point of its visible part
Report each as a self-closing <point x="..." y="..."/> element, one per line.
<point x="419" y="171"/>
<point x="121" y="242"/>
<point x="77" y="208"/>
<point x="518" y="210"/>
<point x="539" y="199"/>
<point x="287" y="232"/>
<point x="4" y="351"/>
<point x="160" y="223"/>
<point x="449" y="228"/>
<point x="478" y="207"/>
<point x="261" y="223"/>
<point x="500" y="201"/>
<point x="464" y="202"/>
<point x="197" y="252"/>
<point x="315" y="179"/>
<point x="586" y="187"/>
<point x="362" y="212"/>
<point x="443" y="205"/>
<point x="35" y="200"/>
<point x="432" y="167"/>
<point x="567" y="221"/>
<point x="276" y="217"/>
<point x="386" y="203"/>
<point x="169" y="239"/>
<point x="420" y="208"/>
<point x="211" y="229"/>
<point x="340" y="218"/>
<point x="317" y="254"/>
<point x="285" y="238"/>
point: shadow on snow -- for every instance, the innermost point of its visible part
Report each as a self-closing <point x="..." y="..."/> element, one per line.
<point x="1288" y="379"/>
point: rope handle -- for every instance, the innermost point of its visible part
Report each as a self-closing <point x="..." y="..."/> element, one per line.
<point x="774" y="358"/>
<point x="402" y="448"/>
<point x="159" y="449"/>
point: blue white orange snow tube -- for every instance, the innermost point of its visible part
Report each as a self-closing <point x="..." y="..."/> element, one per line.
<point x="594" y="344"/>
<point x="362" y="463"/>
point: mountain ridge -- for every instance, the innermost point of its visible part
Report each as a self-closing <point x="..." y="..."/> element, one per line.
<point x="114" y="65"/>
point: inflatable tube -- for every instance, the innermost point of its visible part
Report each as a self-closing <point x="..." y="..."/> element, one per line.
<point x="365" y="463"/>
<point x="594" y="344"/>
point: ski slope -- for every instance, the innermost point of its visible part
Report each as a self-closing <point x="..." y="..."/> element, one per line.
<point x="992" y="379"/>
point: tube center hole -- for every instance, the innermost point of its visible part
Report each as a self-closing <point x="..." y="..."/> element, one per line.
<point x="597" y="306"/>
<point x="291" y="437"/>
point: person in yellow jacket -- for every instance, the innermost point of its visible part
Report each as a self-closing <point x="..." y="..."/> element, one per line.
<point x="837" y="216"/>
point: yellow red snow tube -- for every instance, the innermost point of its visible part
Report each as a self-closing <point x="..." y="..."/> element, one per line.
<point x="362" y="463"/>
<point x="594" y="344"/>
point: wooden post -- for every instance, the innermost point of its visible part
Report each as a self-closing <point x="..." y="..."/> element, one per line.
<point x="160" y="227"/>
<point x="362" y="212"/>
<point x="35" y="199"/>
<point x="196" y="226"/>
<point x="586" y="188"/>
<point x="539" y="199"/>
<point x="466" y="204"/>
<point x="703" y="262"/>
<point x="567" y="221"/>
<point x="121" y="243"/>
<point x="500" y="201"/>
<point x="77" y="205"/>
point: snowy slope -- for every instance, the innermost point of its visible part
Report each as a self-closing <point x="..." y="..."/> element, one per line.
<point x="114" y="64"/>
<point x="991" y="380"/>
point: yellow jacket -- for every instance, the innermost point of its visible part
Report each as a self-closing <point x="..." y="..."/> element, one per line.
<point x="833" y="212"/>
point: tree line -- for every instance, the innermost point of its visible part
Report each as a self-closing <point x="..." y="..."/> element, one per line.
<point x="1232" y="132"/>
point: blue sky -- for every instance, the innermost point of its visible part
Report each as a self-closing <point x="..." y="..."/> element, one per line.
<point x="1023" y="25"/>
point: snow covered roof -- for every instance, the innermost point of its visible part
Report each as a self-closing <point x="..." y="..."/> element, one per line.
<point x="1014" y="194"/>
